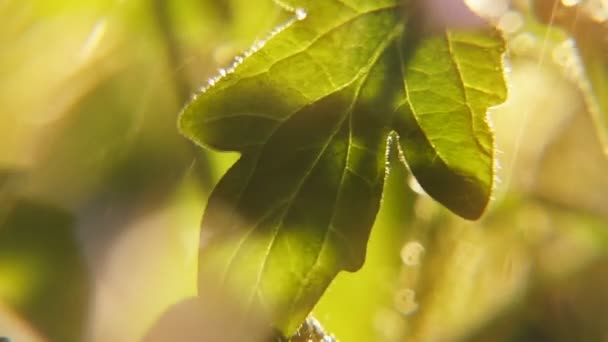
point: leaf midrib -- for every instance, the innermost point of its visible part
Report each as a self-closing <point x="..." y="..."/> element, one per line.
<point x="465" y="93"/>
<point x="379" y="52"/>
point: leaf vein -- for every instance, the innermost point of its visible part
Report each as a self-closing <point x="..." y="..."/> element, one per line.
<point x="455" y="62"/>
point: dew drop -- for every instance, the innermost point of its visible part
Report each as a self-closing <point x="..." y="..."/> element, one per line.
<point x="223" y="72"/>
<point x="258" y="45"/>
<point x="415" y="186"/>
<point x="301" y="14"/>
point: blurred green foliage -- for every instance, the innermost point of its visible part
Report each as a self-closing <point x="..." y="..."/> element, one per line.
<point x="100" y="198"/>
<point x="44" y="275"/>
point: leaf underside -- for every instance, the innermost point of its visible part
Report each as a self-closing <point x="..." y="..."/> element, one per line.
<point x="313" y="113"/>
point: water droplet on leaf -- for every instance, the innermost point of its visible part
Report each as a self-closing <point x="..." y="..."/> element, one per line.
<point x="301" y="14"/>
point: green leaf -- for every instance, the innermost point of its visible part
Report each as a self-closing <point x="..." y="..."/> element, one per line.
<point x="313" y="112"/>
<point x="450" y="81"/>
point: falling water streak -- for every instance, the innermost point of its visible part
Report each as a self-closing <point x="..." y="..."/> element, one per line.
<point x="299" y="15"/>
<point x="522" y="128"/>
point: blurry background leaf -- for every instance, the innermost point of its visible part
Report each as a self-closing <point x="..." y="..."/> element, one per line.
<point x="567" y="248"/>
<point x="43" y="271"/>
<point x="17" y="328"/>
<point x="587" y="22"/>
<point x="98" y="139"/>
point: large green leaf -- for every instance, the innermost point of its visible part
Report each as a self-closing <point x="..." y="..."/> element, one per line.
<point x="313" y="111"/>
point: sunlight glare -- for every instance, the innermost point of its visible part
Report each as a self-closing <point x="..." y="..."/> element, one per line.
<point x="93" y="40"/>
<point x="570" y="3"/>
<point x="597" y="9"/>
<point x="487" y="8"/>
<point x="511" y="22"/>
